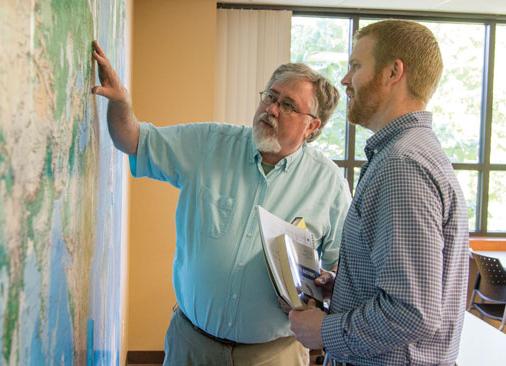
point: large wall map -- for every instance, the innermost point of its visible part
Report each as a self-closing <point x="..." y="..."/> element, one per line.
<point x="60" y="185"/>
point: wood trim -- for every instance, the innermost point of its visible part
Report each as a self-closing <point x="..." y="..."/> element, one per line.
<point x="145" y="357"/>
<point x="488" y="244"/>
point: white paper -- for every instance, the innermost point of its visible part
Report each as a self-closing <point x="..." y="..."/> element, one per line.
<point x="271" y="227"/>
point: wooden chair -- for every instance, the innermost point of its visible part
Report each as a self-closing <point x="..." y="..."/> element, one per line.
<point x="490" y="288"/>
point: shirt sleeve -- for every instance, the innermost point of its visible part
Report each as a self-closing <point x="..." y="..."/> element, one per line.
<point x="170" y="153"/>
<point x="338" y="211"/>
<point x="407" y="256"/>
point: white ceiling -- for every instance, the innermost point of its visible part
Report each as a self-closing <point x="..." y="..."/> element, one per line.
<point x="497" y="7"/>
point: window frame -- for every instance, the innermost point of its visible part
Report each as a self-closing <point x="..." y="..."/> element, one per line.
<point x="483" y="167"/>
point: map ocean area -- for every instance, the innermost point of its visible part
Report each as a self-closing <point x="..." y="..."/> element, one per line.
<point x="291" y="258"/>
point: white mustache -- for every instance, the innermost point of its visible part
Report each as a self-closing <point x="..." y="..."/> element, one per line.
<point x="270" y="120"/>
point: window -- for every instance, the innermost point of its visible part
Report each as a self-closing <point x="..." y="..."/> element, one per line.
<point x="469" y="108"/>
<point x="322" y="43"/>
<point x="496" y="216"/>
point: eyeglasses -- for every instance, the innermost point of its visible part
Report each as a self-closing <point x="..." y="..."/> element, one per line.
<point x="267" y="97"/>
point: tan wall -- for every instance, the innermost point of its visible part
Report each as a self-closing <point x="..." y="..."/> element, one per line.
<point x="172" y="81"/>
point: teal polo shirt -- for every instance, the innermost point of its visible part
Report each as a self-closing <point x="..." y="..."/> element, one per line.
<point x="219" y="272"/>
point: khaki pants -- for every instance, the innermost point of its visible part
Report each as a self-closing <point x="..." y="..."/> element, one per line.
<point x="185" y="346"/>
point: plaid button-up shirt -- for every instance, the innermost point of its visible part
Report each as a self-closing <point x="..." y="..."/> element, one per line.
<point x="399" y="296"/>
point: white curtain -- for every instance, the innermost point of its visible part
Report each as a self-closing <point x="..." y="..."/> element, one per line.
<point x="251" y="44"/>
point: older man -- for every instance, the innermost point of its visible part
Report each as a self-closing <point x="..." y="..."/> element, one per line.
<point x="399" y="295"/>
<point x="228" y="312"/>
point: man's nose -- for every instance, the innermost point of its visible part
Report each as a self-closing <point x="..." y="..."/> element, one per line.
<point x="346" y="79"/>
<point x="273" y="108"/>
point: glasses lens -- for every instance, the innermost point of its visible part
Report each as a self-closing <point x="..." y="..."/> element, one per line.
<point x="266" y="97"/>
<point x="287" y="107"/>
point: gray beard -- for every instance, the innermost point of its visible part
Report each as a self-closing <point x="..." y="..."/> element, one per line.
<point x="265" y="143"/>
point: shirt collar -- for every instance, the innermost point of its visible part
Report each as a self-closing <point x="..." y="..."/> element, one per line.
<point x="286" y="162"/>
<point x="381" y="138"/>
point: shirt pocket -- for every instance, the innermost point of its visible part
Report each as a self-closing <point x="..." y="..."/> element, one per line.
<point x="216" y="212"/>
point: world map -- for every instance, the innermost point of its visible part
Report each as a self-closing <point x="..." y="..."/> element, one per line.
<point x="61" y="185"/>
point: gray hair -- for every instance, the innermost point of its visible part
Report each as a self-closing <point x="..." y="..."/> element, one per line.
<point x="326" y="95"/>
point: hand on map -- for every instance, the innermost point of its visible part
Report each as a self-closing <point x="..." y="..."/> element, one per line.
<point x="111" y="87"/>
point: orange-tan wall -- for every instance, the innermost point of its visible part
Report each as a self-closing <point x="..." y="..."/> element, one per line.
<point x="173" y="63"/>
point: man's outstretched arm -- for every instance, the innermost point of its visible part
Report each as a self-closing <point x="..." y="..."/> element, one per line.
<point x="123" y="126"/>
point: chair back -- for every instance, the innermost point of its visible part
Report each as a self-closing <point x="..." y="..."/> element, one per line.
<point x="493" y="277"/>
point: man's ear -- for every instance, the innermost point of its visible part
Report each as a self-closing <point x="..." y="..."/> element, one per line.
<point x="314" y="125"/>
<point x="312" y="128"/>
<point x="396" y="70"/>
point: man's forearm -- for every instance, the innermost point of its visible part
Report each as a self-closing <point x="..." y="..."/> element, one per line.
<point x="123" y="126"/>
<point x="380" y="325"/>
